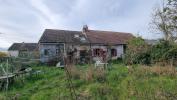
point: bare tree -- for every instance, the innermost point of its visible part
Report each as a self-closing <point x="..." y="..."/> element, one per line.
<point x="164" y="19"/>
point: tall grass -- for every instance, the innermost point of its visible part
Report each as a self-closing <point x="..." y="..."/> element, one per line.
<point x="118" y="83"/>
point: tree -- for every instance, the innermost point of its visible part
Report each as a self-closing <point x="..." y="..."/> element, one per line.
<point x="165" y="19"/>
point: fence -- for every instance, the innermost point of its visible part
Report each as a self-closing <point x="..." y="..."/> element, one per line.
<point x="12" y="69"/>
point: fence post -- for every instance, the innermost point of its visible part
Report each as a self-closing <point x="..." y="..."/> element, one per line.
<point x="7" y="76"/>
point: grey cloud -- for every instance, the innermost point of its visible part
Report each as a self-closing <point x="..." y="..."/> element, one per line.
<point x="25" y="20"/>
<point x="62" y="7"/>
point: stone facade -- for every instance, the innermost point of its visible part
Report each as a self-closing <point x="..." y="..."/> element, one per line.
<point x="50" y="51"/>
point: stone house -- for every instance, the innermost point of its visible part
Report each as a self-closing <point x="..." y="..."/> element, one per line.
<point x="24" y="50"/>
<point x="82" y="45"/>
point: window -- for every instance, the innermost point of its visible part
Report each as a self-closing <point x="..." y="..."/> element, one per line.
<point x="23" y="53"/>
<point x="113" y="52"/>
<point x="46" y="52"/>
<point x="97" y="52"/>
<point x="59" y="48"/>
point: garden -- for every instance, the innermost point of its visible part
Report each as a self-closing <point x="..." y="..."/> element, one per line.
<point x="118" y="82"/>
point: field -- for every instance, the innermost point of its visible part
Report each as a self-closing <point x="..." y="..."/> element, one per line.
<point x="116" y="83"/>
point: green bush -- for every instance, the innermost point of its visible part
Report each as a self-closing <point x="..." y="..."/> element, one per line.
<point x="3" y="54"/>
<point x="164" y="51"/>
<point x="138" y="52"/>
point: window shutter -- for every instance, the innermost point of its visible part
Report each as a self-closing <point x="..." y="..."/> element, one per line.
<point x="115" y="52"/>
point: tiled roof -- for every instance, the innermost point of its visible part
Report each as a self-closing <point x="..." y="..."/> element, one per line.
<point x="24" y="46"/>
<point x="108" y="37"/>
<point x="62" y="36"/>
<point x="92" y="36"/>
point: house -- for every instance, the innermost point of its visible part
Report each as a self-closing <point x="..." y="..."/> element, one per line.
<point x="26" y="50"/>
<point x="82" y="45"/>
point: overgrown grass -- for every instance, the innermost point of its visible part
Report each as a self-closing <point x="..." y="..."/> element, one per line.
<point x="117" y="83"/>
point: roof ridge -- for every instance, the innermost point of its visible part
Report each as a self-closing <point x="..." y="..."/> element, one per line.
<point x="93" y="36"/>
<point x="63" y="30"/>
<point x="110" y="31"/>
<point x="18" y="46"/>
<point x="25" y="43"/>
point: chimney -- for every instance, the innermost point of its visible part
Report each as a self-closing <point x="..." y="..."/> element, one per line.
<point x="85" y="29"/>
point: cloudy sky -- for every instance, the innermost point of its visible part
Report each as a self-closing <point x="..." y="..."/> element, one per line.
<point x="25" y="20"/>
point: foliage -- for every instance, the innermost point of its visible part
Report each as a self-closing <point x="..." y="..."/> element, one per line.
<point x="137" y="52"/>
<point x="171" y="53"/>
<point x="164" y="51"/>
<point x="164" y="19"/>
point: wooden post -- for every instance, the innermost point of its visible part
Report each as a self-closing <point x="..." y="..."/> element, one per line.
<point x="7" y="66"/>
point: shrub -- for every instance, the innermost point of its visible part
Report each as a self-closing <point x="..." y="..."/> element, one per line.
<point x="3" y="54"/>
<point x="116" y="61"/>
<point x="164" y="51"/>
<point x="137" y="52"/>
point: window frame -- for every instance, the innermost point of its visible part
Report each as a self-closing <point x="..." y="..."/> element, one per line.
<point x="113" y="52"/>
<point x="46" y="52"/>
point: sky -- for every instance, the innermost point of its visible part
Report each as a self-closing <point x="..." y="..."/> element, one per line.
<point x="25" y="20"/>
